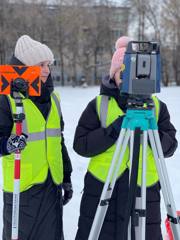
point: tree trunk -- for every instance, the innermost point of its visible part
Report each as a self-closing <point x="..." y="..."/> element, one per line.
<point x="74" y="70"/>
<point x="95" y="67"/>
<point x="61" y="64"/>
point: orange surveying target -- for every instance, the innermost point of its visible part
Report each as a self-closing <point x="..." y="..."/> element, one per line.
<point x="29" y="74"/>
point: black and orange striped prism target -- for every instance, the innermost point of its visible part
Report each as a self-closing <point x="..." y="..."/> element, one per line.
<point x="30" y="74"/>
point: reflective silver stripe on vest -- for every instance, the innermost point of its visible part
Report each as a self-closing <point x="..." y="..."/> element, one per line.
<point x="40" y="135"/>
<point x="55" y="132"/>
<point x="103" y="110"/>
<point x="56" y="100"/>
<point x="36" y="136"/>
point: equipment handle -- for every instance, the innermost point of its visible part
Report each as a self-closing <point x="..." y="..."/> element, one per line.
<point x="143" y="47"/>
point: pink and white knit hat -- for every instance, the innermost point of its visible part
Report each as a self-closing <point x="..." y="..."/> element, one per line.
<point x="118" y="56"/>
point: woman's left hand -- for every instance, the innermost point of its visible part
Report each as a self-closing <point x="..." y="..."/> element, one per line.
<point x="68" y="192"/>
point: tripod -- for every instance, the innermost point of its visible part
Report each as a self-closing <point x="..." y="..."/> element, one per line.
<point x="139" y="119"/>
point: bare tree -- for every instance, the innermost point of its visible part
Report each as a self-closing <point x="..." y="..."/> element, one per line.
<point x="79" y="32"/>
<point x="4" y="9"/>
<point x="147" y="15"/>
<point x="171" y="21"/>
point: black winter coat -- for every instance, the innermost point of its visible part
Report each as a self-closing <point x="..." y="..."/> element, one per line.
<point x="92" y="139"/>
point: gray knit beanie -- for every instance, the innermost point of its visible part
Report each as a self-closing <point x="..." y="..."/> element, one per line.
<point x="31" y="52"/>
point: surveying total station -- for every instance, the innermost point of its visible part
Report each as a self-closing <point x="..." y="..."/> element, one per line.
<point x="140" y="79"/>
<point x="20" y="82"/>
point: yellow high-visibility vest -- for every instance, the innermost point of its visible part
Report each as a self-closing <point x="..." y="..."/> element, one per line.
<point x="43" y="150"/>
<point x="99" y="165"/>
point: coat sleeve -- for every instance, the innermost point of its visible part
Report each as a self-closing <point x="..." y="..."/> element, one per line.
<point x="167" y="131"/>
<point x="67" y="166"/>
<point x="6" y="123"/>
<point x="90" y="138"/>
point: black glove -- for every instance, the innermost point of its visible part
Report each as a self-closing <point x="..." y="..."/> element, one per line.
<point x="15" y="143"/>
<point x="68" y="192"/>
<point x="117" y="124"/>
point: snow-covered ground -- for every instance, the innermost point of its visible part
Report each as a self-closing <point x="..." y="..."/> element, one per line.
<point x="74" y="100"/>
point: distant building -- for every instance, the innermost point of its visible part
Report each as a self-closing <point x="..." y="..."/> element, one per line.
<point x="95" y="60"/>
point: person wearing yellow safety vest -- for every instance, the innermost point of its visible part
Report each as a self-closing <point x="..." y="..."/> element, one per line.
<point x="45" y="182"/>
<point x="95" y="137"/>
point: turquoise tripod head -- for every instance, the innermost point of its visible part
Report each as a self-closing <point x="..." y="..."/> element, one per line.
<point x="140" y="114"/>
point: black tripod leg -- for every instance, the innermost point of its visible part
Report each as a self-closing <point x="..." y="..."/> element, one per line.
<point x="132" y="187"/>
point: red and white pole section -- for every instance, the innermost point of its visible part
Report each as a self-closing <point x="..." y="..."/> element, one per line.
<point x="16" y="191"/>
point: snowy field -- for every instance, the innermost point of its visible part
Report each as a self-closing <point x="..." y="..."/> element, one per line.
<point x="74" y="100"/>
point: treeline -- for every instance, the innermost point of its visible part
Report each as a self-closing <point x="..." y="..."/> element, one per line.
<point x="82" y="33"/>
<point x="160" y="20"/>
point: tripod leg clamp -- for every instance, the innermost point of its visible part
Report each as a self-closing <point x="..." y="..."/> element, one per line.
<point x="173" y="219"/>
<point x="105" y="202"/>
<point x="137" y="214"/>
